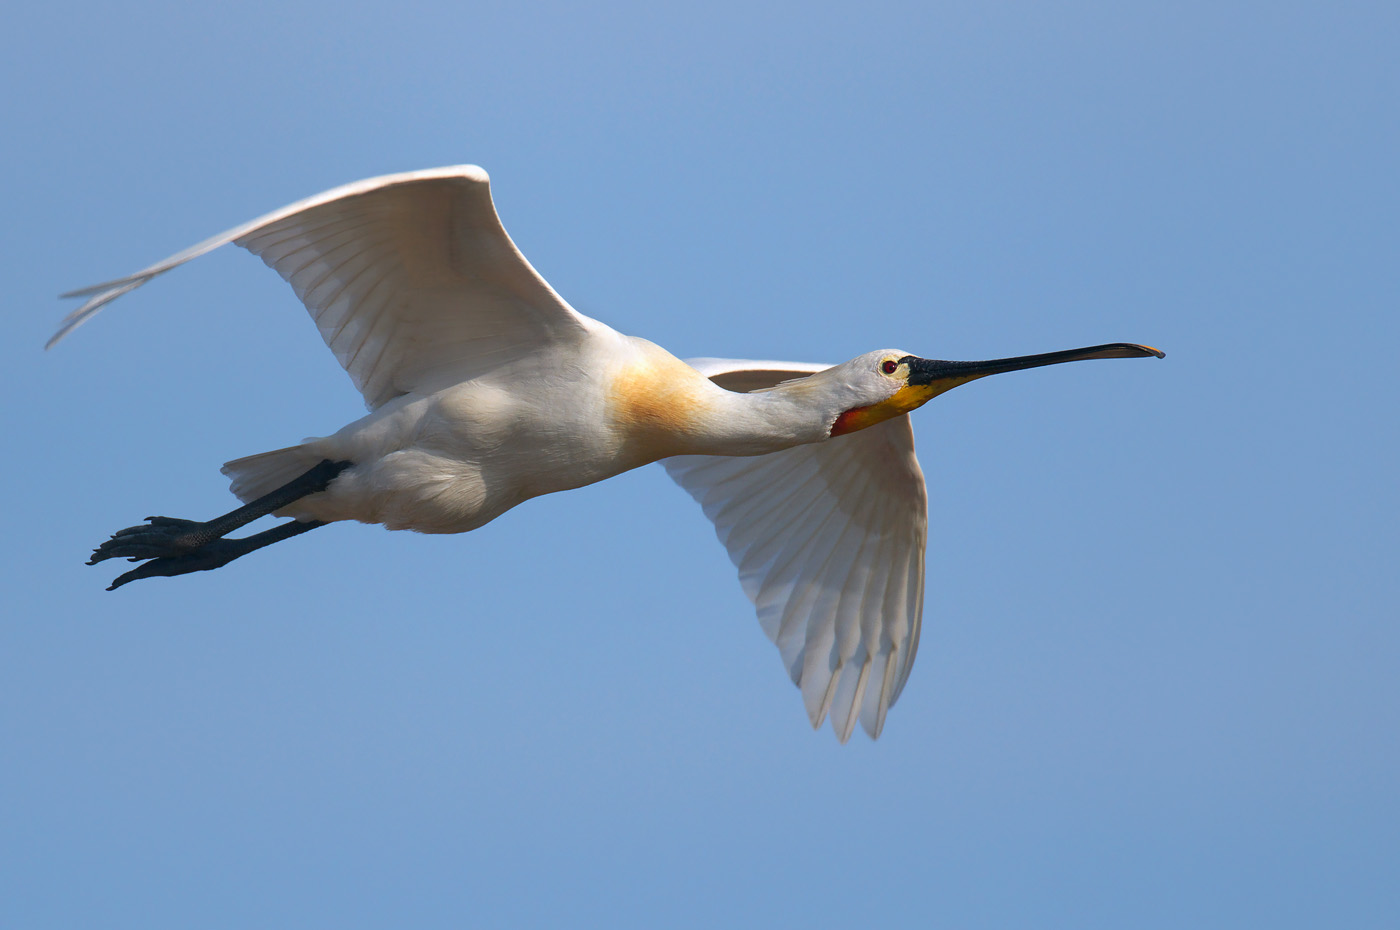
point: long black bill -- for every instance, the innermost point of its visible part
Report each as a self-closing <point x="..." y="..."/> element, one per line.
<point x="940" y="373"/>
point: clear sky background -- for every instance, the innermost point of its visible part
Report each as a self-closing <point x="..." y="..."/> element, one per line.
<point x="1157" y="685"/>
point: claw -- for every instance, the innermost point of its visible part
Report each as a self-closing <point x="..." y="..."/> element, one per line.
<point x="211" y="555"/>
<point x="160" y="537"/>
<point x="175" y="546"/>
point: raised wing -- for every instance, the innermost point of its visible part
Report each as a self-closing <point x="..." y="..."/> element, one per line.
<point x="829" y="542"/>
<point x="411" y="279"/>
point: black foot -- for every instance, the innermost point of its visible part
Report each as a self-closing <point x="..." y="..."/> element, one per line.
<point x="159" y="537"/>
<point x="178" y="547"/>
<point x="214" y="554"/>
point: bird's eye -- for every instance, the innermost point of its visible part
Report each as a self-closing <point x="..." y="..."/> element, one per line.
<point x="888" y="366"/>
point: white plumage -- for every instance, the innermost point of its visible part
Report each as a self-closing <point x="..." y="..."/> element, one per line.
<point x="485" y="389"/>
<point x="829" y="542"/>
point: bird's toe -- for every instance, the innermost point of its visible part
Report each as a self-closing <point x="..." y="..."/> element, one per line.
<point x="159" y="537"/>
<point x="211" y="555"/>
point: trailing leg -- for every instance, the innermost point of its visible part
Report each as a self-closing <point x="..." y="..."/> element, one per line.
<point x="213" y="554"/>
<point x="177" y="547"/>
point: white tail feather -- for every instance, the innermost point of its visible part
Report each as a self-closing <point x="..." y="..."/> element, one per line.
<point x="255" y="475"/>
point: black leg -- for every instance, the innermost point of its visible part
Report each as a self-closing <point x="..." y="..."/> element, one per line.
<point x="177" y="547"/>
<point x="214" y="554"/>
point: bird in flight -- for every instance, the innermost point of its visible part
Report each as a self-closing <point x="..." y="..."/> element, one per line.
<point x="485" y="389"/>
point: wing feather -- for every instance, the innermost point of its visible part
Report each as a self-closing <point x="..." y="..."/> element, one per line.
<point x="846" y="706"/>
<point x="411" y="279"/>
<point x="829" y="543"/>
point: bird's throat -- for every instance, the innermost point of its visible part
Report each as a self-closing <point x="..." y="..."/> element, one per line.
<point x="905" y="399"/>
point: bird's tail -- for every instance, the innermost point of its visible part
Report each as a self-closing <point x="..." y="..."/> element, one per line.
<point x="255" y="475"/>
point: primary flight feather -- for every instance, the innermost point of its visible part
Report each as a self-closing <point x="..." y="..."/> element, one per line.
<point x="485" y="388"/>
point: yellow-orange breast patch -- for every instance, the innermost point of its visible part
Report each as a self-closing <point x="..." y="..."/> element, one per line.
<point x="656" y="399"/>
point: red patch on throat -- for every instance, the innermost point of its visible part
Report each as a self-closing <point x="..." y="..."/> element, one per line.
<point x="850" y="421"/>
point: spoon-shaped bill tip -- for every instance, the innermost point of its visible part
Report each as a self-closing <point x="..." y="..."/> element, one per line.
<point x="1126" y="350"/>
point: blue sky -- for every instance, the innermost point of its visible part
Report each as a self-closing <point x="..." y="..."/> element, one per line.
<point x="1157" y="682"/>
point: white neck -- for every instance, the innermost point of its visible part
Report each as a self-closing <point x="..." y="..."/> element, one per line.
<point x="779" y="418"/>
<point x="662" y="407"/>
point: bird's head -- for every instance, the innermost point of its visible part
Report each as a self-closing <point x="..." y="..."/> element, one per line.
<point x="878" y="386"/>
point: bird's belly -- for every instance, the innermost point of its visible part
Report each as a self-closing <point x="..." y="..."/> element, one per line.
<point x="464" y="460"/>
<point x="417" y="490"/>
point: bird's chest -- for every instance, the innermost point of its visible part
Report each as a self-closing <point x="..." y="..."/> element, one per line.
<point x="526" y="443"/>
<point x="654" y="408"/>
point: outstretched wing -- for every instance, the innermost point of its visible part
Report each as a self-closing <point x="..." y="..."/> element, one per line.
<point x="829" y="542"/>
<point x="411" y="279"/>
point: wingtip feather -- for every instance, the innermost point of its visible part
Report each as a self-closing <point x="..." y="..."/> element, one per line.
<point x="824" y="708"/>
<point x="106" y="293"/>
<point x="844" y="721"/>
<point x="877" y="726"/>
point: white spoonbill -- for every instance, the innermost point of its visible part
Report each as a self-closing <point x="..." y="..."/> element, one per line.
<point x="486" y="389"/>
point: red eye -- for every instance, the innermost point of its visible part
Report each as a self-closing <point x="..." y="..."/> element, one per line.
<point x="888" y="366"/>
